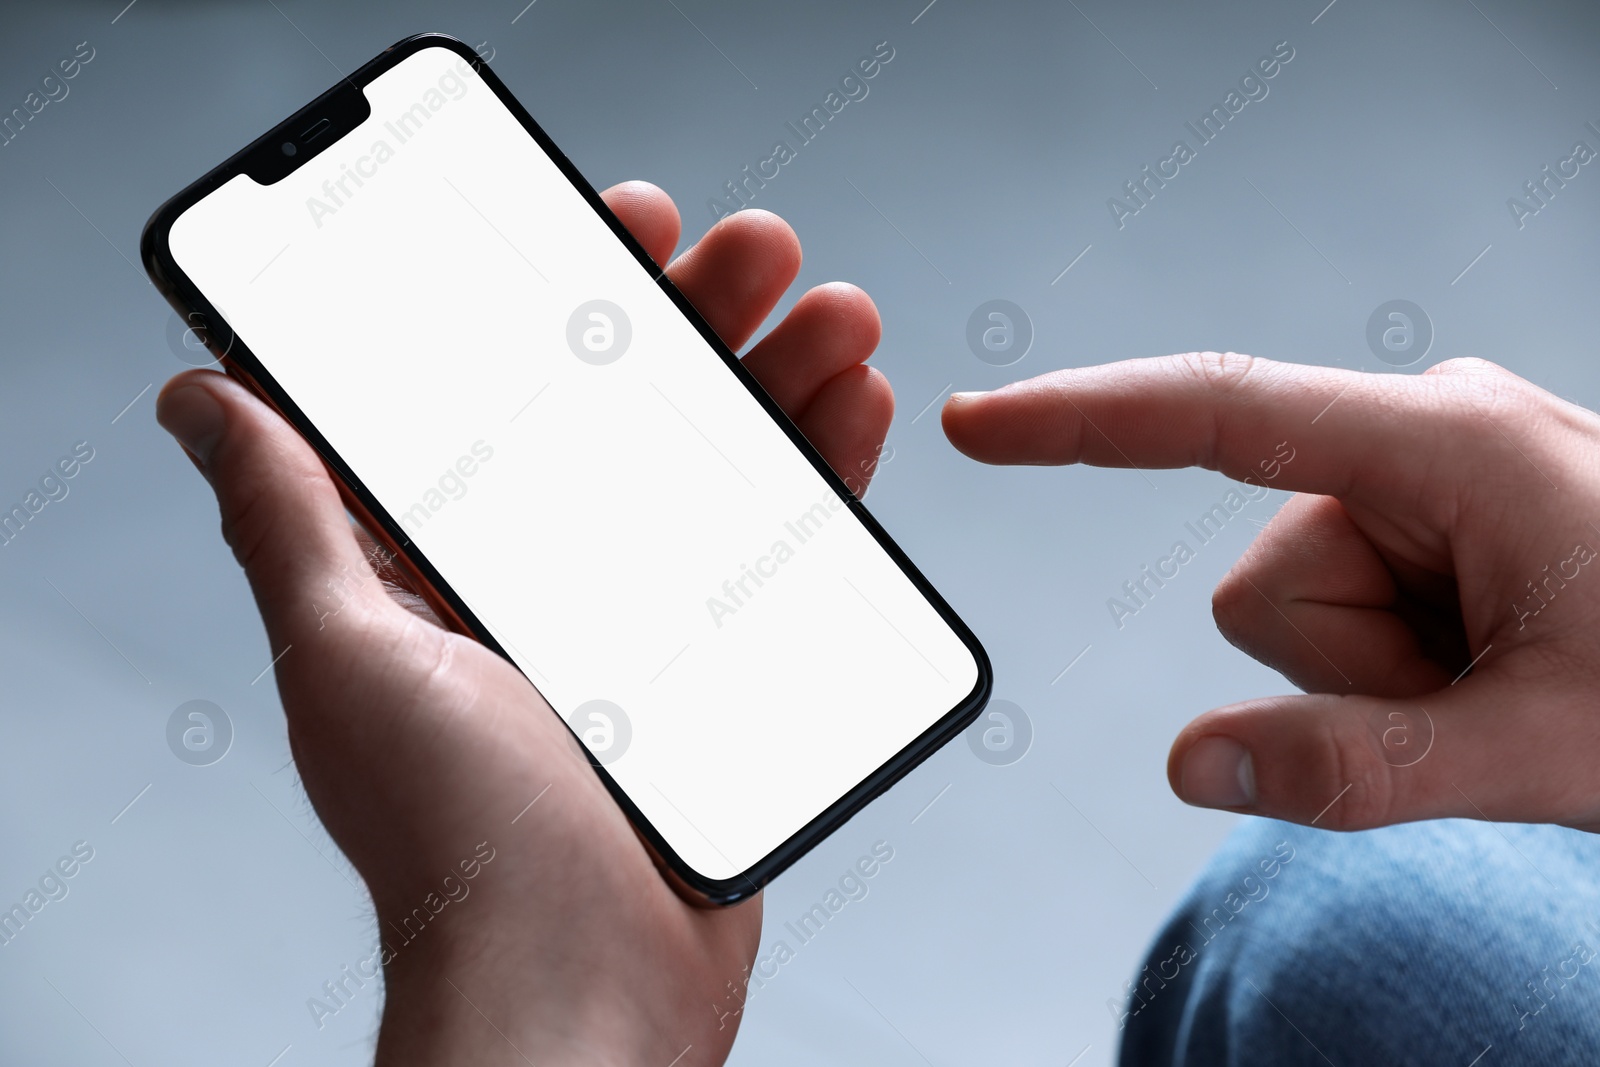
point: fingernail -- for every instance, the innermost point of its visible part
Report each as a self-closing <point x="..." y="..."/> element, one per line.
<point x="967" y="396"/>
<point x="193" y="415"/>
<point x="1218" y="772"/>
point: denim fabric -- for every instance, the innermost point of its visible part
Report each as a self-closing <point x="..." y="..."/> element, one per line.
<point x="1448" y="942"/>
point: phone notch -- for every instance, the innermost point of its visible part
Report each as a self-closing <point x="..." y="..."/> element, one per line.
<point x="307" y="133"/>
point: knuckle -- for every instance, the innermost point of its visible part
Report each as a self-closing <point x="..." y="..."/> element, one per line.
<point x="1222" y="372"/>
<point x="253" y="516"/>
<point x="1525" y="424"/>
<point x="1473" y="388"/>
<point x="1551" y="429"/>
<point x="1220" y="375"/>
<point x="1236" y="607"/>
<point x="1462" y="365"/>
<point x="247" y="528"/>
<point x="1362" y="783"/>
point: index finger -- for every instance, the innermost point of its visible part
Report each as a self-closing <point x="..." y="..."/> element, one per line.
<point x="1227" y="412"/>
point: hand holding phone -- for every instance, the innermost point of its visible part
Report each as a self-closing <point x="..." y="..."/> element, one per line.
<point x="570" y="465"/>
<point x="421" y="748"/>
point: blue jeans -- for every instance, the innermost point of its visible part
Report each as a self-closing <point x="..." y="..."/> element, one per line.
<point x="1447" y="942"/>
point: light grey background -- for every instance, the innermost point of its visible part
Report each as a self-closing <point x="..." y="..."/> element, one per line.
<point x="978" y="168"/>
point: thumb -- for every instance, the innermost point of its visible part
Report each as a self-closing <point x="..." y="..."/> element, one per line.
<point x="1356" y="762"/>
<point x="281" y="512"/>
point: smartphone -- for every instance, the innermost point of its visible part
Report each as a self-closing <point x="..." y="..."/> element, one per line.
<point x="569" y="463"/>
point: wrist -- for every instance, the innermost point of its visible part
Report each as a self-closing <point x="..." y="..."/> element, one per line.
<point x="447" y="1003"/>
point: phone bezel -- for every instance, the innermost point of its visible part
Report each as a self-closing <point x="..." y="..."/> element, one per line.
<point x="240" y="363"/>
